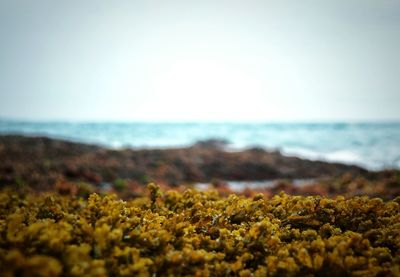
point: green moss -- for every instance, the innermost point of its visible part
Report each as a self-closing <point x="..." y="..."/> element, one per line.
<point x="119" y="184"/>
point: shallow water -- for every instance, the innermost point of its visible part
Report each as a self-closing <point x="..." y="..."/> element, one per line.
<point x="371" y="145"/>
<point x="239" y="186"/>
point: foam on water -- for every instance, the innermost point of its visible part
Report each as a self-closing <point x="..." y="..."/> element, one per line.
<point x="372" y="145"/>
<point x="341" y="156"/>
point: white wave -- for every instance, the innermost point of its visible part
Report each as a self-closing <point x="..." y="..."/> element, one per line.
<point x="345" y="156"/>
<point x="340" y="156"/>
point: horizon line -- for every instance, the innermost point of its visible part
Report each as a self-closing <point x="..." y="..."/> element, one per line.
<point x="142" y="121"/>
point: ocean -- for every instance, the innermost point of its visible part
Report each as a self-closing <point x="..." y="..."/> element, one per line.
<point x="374" y="146"/>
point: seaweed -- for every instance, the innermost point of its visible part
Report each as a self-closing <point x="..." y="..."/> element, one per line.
<point x="199" y="234"/>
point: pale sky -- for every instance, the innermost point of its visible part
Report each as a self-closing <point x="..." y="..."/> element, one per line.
<point x="200" y="60"/>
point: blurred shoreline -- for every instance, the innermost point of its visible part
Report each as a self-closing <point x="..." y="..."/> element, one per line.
<point x="372" y="145"/>
<point x="45" y="164"/>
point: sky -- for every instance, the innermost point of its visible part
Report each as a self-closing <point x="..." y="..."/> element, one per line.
<point x="200" y="60"/>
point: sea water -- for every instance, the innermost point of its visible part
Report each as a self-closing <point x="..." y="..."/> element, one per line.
<point x="371" y="145"/>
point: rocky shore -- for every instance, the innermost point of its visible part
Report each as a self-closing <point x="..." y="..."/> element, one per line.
<point x="45" y="164"/>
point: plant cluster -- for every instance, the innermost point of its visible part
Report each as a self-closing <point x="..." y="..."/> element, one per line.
<point x="199" y="234"/>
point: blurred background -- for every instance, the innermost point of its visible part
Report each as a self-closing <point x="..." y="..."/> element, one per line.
<point x="313" y="79"/>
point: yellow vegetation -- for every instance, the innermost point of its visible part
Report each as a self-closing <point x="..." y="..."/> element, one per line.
<point x="198" y="233"/>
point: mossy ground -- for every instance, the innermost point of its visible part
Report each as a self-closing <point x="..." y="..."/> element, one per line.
<point x="198" y="233"/>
